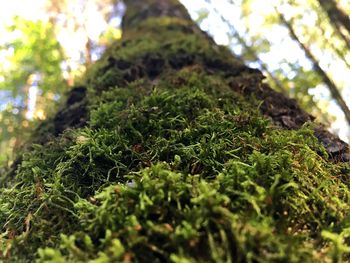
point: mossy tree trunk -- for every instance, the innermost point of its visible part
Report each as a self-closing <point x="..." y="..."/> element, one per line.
<point x="172" y="150"/>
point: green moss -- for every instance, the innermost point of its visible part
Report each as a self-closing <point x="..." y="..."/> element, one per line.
<point x="174" y="168"/>
<point x="155" y="49"/>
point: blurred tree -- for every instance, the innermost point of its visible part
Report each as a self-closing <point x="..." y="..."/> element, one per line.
<point x="42" y="55"/>
<point x="35" y="51"/>
<point x="316" y="65"/>
<point x="84" y="28"/>
<point x="32" y="79"/>
<point x="338" y="18"/>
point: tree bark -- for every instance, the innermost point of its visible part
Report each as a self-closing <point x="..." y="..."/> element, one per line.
<point x="139" y="11"/>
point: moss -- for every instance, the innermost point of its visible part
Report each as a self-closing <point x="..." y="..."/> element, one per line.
<point x="231" y="182"/>
<point x="175" y="166"/>
<point x="151" y="53"/>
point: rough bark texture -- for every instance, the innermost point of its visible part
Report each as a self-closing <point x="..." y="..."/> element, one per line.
<point x="172" y="150"/>
<point x="139" y="11"/>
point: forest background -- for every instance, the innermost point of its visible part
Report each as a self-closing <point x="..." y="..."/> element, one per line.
<point x="303" y="48"/>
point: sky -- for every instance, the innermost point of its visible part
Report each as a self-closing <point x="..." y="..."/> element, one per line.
<point x="34" y="9"/>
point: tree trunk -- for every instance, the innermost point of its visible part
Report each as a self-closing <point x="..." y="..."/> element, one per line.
<point x="172" y="150"/>
<point x="338" y="18"/>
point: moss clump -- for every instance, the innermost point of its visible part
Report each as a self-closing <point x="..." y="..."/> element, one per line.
<point x="182" y="171"/>
<point x="163" y="215"/>
<point x="151" y="52"/>
<point x="174" y="166"/>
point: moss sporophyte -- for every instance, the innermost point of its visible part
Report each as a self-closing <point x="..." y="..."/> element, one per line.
<point x="172" y="164"/>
